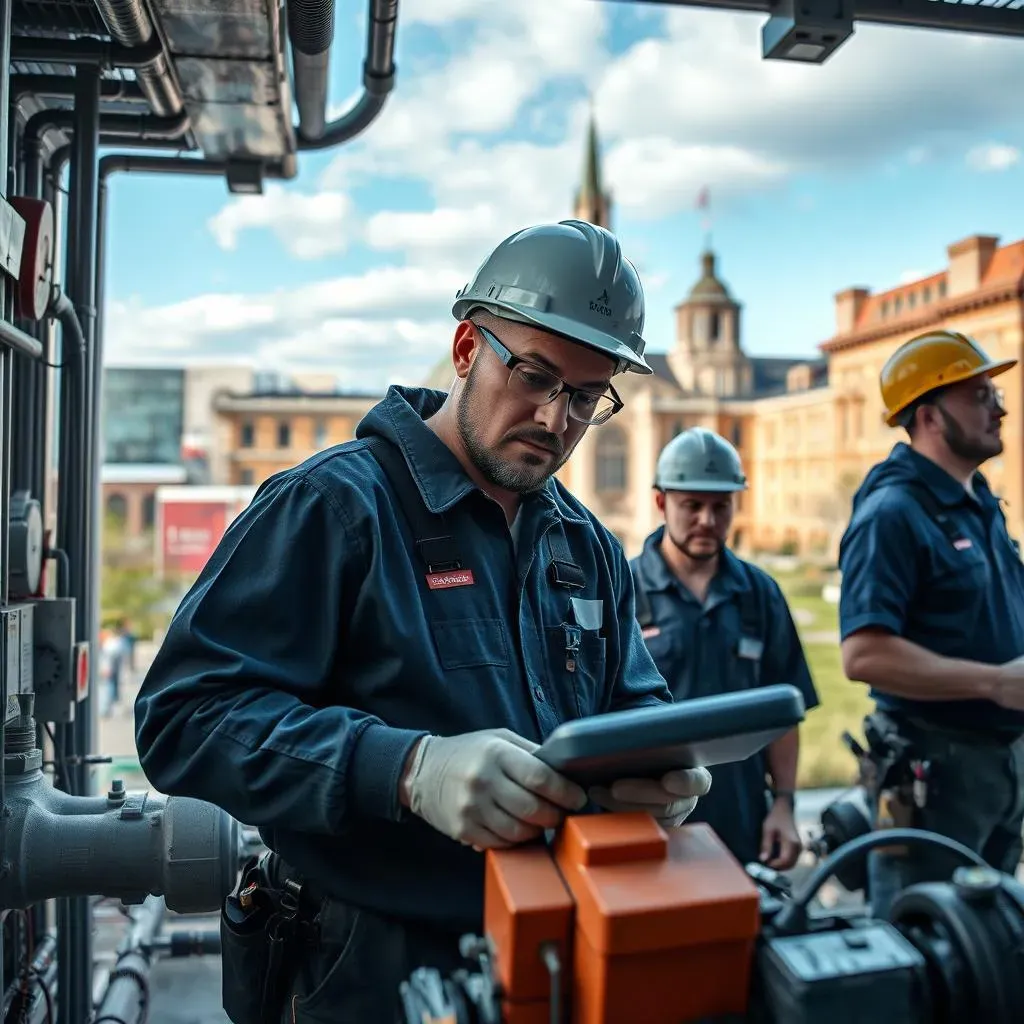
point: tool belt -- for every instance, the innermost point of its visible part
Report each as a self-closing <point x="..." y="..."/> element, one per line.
<point x="267" y="924"/>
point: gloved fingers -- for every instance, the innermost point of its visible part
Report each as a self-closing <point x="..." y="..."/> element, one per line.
<point x="603" y="797"/>
<point x="524" y="805"/>
<point x="643" y="791"/>
<point x="533" y="775"/>
<point x="520" y="741"/>
<point x="678" y="811"/>
<point x="509" y="829"/>
<point x="687" y="782"/>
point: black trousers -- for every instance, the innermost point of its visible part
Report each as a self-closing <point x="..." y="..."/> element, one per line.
<point x="353" y="974"/>
<point x="975" y="796"/>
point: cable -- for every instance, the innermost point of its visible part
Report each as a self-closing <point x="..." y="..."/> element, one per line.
<point x="792" y="919"/>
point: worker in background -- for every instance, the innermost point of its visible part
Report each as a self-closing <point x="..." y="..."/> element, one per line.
<point x="372" y="655"/>
<point x="932" y="617"/>
<point x="715" y="624"/>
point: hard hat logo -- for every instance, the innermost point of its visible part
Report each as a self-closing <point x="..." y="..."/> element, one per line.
<point x="600" y="304"/>
<point x="570" y="279"/>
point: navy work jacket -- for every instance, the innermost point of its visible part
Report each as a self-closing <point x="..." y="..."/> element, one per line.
<point x="703" y="650"/>
<point x="959" y="597"/>
<point x="310" y="655"/>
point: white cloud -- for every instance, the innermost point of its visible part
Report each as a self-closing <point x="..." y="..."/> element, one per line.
<point x="910" y="276"/>
<point x="993" y="156"/>
<point x="655" y="172"/>
<point x="701" y="96"/>
<point x="309" y="226"/>
<point x="383" y="326"/>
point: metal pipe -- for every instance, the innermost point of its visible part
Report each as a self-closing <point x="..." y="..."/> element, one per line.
<point x="85" y="499"/>
<point x="45" y="954"/>
<point x="311" y="30"/>
<point x="120" y="126"/>
<point x="378" y="74"/>
<point x="127" y="995"/>
<point x="84" y="51"/>
<point x="19" y="341"/>
<point x="130" y="25"/>
<point x="6" y="305"/>
<point x="64" y="85"/>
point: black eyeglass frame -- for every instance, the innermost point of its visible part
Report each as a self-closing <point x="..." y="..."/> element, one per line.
<point x="511" y="361"/>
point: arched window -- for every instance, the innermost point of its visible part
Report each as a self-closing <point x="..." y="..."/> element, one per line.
<point x="149" y="511"/>
<point x="117" y="507"/>
<point x="611" y="456"/>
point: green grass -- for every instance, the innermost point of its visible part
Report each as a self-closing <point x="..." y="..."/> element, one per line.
<point x="824" y="759"/>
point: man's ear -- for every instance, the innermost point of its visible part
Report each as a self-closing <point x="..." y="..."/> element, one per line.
<point x="464" y="348"/>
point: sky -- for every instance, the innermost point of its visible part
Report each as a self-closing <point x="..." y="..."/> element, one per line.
<point x="860" y="171"/>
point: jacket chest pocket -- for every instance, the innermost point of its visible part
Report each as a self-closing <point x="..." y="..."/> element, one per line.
<point x="576" y="661"/>
<point x="470" y="643"/>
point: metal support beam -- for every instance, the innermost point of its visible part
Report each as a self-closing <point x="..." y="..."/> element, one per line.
<point x="979" y="18"/>
<point x="6" y="309"/>
<point x="79" y="492"/>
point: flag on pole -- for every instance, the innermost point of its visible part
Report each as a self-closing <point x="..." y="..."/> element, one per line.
<point x="704" y="205"/>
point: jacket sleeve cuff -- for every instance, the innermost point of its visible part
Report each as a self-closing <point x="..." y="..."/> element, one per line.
<point x="376" y="769"/>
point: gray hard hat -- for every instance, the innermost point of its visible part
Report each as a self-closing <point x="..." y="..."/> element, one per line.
<point x="698" y="459"/>
<point x="569" y="278"/>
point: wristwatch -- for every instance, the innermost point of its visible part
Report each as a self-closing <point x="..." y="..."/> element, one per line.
<point x="784" y="794"/>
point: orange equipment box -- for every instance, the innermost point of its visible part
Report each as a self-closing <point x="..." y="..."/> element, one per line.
<point x="649" y="924"/>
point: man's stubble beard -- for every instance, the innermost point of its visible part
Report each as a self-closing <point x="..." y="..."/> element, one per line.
<point x="513" y="476"/>
<point x="962" y="447"/>
<point x="696" y="556"/>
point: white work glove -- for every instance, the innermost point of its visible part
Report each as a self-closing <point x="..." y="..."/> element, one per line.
<point x="486" y="789"/>
<point x="670" y="799"/>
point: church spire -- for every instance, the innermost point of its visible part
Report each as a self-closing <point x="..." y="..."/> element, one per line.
<point x="593" y="204"/>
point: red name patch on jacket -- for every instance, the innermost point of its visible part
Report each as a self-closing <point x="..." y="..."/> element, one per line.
<point x="454" y="578"/>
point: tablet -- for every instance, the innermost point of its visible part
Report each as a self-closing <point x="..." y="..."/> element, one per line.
<point x="647" y="742"/>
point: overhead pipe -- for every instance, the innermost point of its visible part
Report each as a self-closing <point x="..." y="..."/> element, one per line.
<point x="84" y="51"/>
<point x="312" y="23"/>
<point x="130" y="25"/>
<point x="54" y="86"/>
<point x="121" y="126"/>
<point x="311" y="31"/>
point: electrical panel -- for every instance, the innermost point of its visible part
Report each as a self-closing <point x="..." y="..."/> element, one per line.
<point x="57" y="660"/>
<point x="18" y="653"/>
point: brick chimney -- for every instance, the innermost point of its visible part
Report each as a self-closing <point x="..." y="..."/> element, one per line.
<point x="968" y="261"/>
<point x="849" y="303"/>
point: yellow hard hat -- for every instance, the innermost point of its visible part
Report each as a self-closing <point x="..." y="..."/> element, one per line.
<point x="933" y="360"/>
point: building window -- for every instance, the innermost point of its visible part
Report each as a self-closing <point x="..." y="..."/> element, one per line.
<point x="714" y="326"/>
<point x="611" y="457"/>
<point x="320" y="434"/>
<point x="737" y="435"/>
<point x="247" y="435"/>
<point x="117" y="508"/>
<point x="284" y="434"/>
<point x="245" y="477"/>
<point x="926" y="297"/>
<point x="149" y="511"/>
<point x="942" y="289"/>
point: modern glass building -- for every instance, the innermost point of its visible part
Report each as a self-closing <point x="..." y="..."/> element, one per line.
<point x="143" y="414"/>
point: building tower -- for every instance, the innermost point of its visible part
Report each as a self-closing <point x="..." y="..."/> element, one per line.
<point x="708" y="358"/>
<point x="593" y="204"/>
